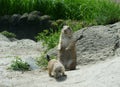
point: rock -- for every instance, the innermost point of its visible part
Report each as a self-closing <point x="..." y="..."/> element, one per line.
<point x="23" y="19"/>
<point x="4" y="21"/>
<point x="45" y="17"/>
<point x="24" y="47"/>
<point x="32" y="62"/>
<point x="97" y="44"/>
<point x="14" y="19"/>
<point x="26" y="25"/>
<point x="4" y="38"/>
<point x="45" y="22"/>
<point x="53" y="52"/>
<point x="37" y="13"/>
<point x="33" y="19"/>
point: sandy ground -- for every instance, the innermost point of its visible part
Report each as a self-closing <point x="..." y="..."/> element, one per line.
<point x="102" y="74"/>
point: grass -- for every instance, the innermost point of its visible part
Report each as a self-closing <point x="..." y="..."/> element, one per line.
<point x="19" y="65"/>
<point x="42" y="61"/>
<point x="8" y="34"/>
<point x="101" y="11"/>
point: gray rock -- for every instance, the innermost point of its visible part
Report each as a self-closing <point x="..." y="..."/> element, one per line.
<point x="32" y="62"/>
<point x="98" y="43"/>
<point x="26" y="25"/>
<point x="4" y="21"/>
<point x="33" y="19"/>
<point x="14" y="19"/>
<point x="38" y="13"/>
<point x="23" y="19"/>
<point x="4" y="38"/>
<point x="45" y="17"/>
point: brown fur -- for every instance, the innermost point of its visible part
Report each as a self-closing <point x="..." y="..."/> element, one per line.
<point x="67" y="49"/>
<point x="55" y="69"/>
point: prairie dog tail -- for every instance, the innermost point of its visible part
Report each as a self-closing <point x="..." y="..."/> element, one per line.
<point x="48" y="57"/>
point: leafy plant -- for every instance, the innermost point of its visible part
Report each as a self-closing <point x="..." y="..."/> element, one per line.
<point x="49" y="38"/>
<point x="42" y="61"/>
<point x="8" y="34"/>
<point x="19" y="65"/>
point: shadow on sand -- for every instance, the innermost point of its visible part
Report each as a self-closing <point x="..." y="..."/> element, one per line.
<point x="60" y="79"/>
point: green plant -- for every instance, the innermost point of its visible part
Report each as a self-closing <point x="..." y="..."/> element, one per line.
<point x="8" y="34"/>
<point x="49" y="38"/>
<point x="101" y="11"/>
<point x="42" y="60"/>
<point x="108" y="12"/>
<point x="19" y="65"/>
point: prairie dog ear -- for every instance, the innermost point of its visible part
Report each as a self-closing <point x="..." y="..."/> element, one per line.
<point x="48" y="57"/>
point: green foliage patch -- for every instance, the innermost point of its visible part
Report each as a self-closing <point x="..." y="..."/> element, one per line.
<point x="101" y="11"/>
<point x="42" y="60"/>
<point x="8" y="34"/>
<point x="49" y="38"/>
<point x="19" y="65"/>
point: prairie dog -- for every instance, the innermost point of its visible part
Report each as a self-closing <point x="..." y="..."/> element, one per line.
<point x="67" y="49"/>
<point x="65" y="37"/>
<point x="55" y="68"/>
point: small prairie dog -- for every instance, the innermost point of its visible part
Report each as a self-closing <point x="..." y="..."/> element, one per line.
<point x="67" y="49"/>
<point x="55" y="68"/>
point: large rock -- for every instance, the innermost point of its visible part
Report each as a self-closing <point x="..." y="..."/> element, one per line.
<point x="14" y="19"/>
<point x="3" y="38"/>
<point x="24" y="47"/>
<point x="4" y="22"/>
<point x="98" y="43"/>
<point x="23" y="19"/>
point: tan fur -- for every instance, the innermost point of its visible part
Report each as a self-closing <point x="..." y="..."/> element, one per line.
<point x="55" y="68"/>
<point x="67" y="49"/>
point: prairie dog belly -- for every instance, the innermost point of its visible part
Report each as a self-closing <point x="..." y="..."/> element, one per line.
<point x="66" y="42"/>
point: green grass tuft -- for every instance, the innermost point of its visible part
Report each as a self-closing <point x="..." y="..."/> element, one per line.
<point x="19" y="65"/>
<point x="8" y="34"/>
<point x="42" y="60"/>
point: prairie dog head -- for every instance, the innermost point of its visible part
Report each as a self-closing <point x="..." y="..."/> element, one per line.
<point x="67" y="31"/>
<point x="58" y="69"/>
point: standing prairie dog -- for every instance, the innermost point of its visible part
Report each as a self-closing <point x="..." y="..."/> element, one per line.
<point x="67" y="49"/>
<point x="55" y="68"/>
